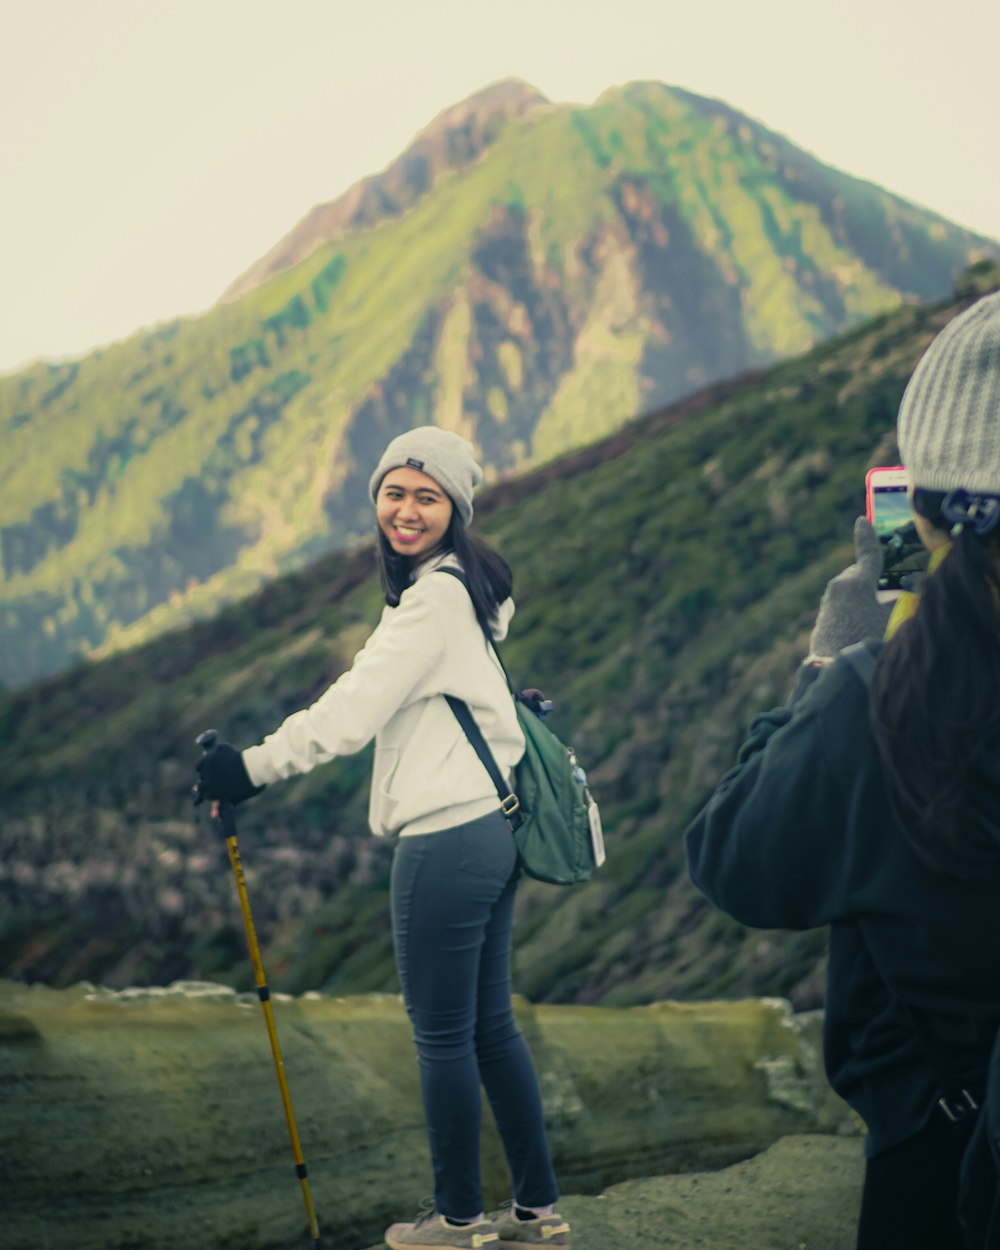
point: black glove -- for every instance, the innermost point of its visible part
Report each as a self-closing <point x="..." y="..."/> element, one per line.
<point x="222" y="775"/>
<point x="536" y="701"/>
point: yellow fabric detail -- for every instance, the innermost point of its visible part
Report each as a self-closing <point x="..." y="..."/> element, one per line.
<point x="906" y="604"/>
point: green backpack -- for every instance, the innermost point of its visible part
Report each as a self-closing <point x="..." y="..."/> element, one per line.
<point x="553" y="815"/>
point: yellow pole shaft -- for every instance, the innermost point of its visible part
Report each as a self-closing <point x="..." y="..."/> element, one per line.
<point x="264" y="994"/>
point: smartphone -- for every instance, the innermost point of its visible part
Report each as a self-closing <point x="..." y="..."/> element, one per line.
<point x="904" y="557"/>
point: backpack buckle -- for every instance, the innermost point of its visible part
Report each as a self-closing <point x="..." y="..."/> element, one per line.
<point x="510" y="805"/>
<point x="956" y="1109"/>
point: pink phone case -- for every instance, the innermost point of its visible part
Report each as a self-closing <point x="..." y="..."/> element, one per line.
<point x="871" y="481"/>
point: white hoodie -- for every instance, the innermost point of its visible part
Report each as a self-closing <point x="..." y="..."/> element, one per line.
<point x="426" y="776"/>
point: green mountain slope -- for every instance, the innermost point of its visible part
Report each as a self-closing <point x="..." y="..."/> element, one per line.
<point x="457" y="137"/>
<point x="533" y="282"/>
<point x="682" y="563"/>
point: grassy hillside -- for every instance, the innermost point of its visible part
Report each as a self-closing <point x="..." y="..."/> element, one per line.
<point x="668" y="601"/>
<point x="567" y="269"/>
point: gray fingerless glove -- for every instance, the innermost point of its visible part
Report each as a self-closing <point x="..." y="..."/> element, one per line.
<point x="849" y="611"/>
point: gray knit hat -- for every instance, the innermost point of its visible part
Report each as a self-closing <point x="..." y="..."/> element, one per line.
<point x="446" y="457"/>
<point x="948" y="427"/>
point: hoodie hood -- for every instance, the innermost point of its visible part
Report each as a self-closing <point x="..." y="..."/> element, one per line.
<point x="500" y="623"/>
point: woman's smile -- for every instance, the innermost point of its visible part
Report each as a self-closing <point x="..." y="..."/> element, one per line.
<point x="407" y="533"/>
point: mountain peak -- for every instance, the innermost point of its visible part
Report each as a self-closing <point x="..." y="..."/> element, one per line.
<point x="456" y="137"/>
<point x="500" y="101"/>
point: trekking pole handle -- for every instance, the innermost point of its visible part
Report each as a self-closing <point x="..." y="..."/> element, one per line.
<point x="222" y="812"/>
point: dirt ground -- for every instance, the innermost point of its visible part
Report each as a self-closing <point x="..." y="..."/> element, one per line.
<point x="801" y="1194"/>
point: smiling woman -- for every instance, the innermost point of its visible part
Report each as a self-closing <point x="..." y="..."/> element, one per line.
<point x="455" y="867"/>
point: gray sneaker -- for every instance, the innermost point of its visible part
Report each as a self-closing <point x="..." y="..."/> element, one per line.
<point x="432" y="1232"/>
<point x="543" y="1230"/>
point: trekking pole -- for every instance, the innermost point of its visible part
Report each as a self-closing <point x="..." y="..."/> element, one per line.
<point x="225" y="819"/>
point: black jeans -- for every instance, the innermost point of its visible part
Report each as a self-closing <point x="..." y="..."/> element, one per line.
<point x="452" y="920"/>
<point x="911" y="1191"/>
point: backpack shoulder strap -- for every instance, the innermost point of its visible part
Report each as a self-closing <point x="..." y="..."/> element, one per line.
<point x="509" y="804"/>
<point x="460" y="575"/>
<point x="446" y="568"/>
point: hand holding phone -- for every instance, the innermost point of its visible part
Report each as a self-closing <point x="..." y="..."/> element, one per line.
<point x="904" y="557"/>
<point x="850" y="610"/>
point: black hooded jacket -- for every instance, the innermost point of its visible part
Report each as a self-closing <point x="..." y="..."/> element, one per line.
<point x="802" y="833"/>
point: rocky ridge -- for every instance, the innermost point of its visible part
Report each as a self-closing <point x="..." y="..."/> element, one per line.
<point x="455" y="138"/>
<point x="152" y="1118"/>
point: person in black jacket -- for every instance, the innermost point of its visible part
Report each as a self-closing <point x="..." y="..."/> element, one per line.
<point x="877" y="811"/>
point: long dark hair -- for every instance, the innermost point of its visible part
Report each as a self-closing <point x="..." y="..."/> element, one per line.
<point x="487" y="573"/>
<point x="936" y="704"/>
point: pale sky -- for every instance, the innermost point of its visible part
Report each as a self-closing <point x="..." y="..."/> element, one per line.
<point x="151" y="150"/>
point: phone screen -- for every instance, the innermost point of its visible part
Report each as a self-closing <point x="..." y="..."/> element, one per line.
<point x="904" y="557"/>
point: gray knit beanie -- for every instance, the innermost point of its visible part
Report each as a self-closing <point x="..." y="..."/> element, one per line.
<point x="948" y="427"/>
<point x="446" y="457"/>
